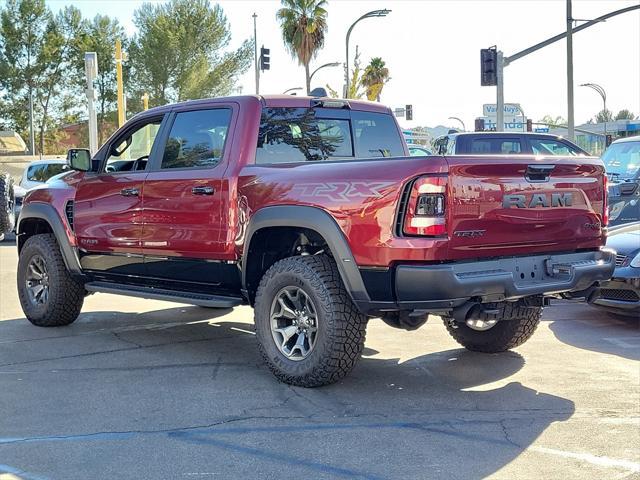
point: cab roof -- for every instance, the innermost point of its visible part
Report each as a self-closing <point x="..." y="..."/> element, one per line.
<point x="282" y="101"/>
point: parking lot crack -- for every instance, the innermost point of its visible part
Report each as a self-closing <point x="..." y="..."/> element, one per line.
<point x="119" y="336"/>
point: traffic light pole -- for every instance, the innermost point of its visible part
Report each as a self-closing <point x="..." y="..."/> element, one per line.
<point x="500" y="92"/>
<point x="568" y="34"/>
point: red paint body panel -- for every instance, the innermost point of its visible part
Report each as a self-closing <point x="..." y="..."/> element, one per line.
<point x="105" y="220"/>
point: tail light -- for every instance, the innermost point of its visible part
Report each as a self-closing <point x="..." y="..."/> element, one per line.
<point x="605" y="201"/>
<point x="425" y="210"/>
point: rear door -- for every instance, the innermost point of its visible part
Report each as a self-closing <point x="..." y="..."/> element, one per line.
<point x="185" y="226"/>
<point x="108" y="204"/>
<point x="523" y="205"/>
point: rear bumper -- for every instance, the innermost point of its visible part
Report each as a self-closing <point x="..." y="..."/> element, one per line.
<point x="446" y="286"/>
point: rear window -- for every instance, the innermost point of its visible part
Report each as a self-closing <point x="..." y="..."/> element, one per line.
<point x="552" y="147"/>
<point x="291" y="135"/>
<point x="43" y="172"/>
<point x="495" y="146"/>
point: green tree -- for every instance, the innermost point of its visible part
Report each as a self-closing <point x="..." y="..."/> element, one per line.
<point x="37" y="50"/>
<point x="553" y="121"/>
<point x="178" y="52"/>
<point x="604" y="116"/>
<point x="624" y="114"/>
<point x="58" y="58"/>
<point x="303" y="24"/>
<point x="23" y="32"/>
<point x="101" y="35"/>
<point x="375" y="76"/>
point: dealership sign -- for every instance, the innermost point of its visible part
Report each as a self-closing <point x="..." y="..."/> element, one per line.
<point x="514" y="119"/>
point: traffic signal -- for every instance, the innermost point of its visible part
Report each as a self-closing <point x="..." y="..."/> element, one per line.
<point x="529" y="125"/>
<point x="479" y="125"/>
<point x="264" y="59"/>
<point x="488" y="67"/>
<point x="408" y="109"/>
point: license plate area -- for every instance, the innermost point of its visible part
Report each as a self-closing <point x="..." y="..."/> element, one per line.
<point x="529" y="270"/>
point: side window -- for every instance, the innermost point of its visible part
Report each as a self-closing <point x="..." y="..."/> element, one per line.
<point x="132" y="151"/>
<point x="376" y="135"/>
<point x="552" y="147"/>
<point x="290" y="135"/>
<point x="197" y="139"/>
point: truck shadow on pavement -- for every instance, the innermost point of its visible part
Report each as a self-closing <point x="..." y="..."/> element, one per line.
<point x="183" y="380"/>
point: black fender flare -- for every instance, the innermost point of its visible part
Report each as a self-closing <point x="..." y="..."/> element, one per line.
<point x="324" y="224"/>
<point x="46" y="212"/>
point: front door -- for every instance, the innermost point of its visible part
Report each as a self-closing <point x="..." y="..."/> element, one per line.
<point x="108" y="203"/>
<point x="184" y="223"/>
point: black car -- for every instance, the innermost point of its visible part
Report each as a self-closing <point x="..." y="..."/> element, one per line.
<point x="622" y="162"/>
<point x="505" y="143"/>
<point x="621" y="294"/>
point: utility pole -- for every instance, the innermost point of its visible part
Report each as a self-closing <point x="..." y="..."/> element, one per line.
<point x="91" y="71"/>
<point x="500" y="92"/>
<point x="119" y="59"/>
<point x="32" y="140"/>
<point x="255" y="53"/>
<point x="570" y="117"/>
<point x="145" y="101"/>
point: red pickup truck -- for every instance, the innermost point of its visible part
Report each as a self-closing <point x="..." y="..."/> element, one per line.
<point x="311" y="211"/>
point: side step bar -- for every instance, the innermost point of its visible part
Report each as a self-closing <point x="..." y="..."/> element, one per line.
<point x="200" y="299"/>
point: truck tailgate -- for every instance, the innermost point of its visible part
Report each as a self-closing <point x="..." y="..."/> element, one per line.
<point x="516" y="205"/>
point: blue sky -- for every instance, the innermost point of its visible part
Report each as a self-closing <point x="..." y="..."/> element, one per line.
<point x="432" y="50"/>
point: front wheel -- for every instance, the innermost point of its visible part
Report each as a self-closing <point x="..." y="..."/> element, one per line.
<point x="308" y="329"/>
<point x="512" y="326"/>
<point x="49" y="295"/>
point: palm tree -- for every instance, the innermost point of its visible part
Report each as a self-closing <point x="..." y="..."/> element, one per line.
<point x="376" y="74"/>
<point x="303" y="23"/>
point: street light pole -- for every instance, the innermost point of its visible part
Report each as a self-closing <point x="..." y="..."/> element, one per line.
<point x="459" y="120"/>
<point x="570" y="117"/>
<point x="332" y="64"/>
<point x="371" y="14"/>
<point x="603" y="94"/>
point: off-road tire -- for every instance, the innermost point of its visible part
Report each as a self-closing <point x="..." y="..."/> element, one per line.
<point x="515" y="326"/>
<point x="7" y="204"/>
<point x="66" y="294"/>
<point x="341" y="326"/>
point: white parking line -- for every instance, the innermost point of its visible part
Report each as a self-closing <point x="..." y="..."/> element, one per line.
<point x="593" y="459"/>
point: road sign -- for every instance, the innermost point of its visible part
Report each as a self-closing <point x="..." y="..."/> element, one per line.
<point x="541" y="130"/>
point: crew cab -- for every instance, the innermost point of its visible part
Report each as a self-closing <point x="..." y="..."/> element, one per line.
<point x="505" y="143"/>
<point x="311" y="210"/>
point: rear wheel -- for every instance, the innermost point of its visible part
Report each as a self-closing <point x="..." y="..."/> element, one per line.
<point x="309" y="331"/>
<point x="512" y="326"/>
<point x="49" y="295"/>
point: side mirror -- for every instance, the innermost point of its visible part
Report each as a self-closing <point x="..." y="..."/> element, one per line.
<point x="79" y="159"/>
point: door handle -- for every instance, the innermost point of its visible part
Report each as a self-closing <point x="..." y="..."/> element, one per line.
<point x="130" y="192"/>
<point x="202" y="190"/>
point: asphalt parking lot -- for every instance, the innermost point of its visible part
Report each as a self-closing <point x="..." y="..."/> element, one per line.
<point x="152" y="390"/>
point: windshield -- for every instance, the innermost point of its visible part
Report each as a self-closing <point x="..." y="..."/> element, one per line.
<point x="622" y="158"/>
